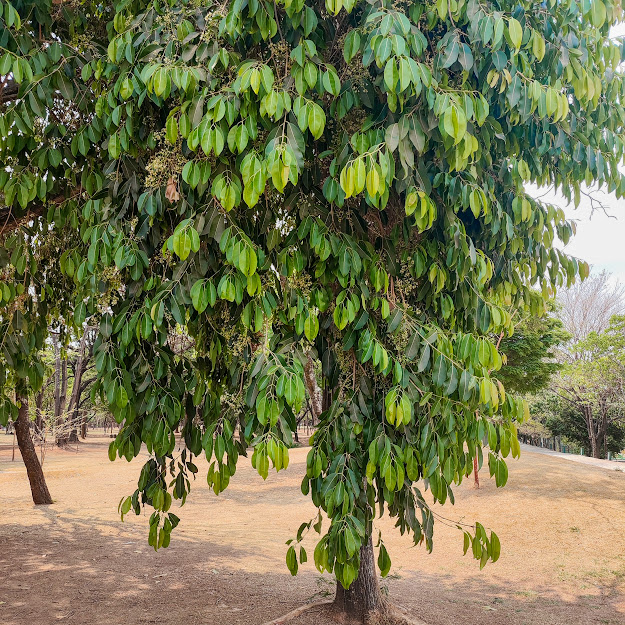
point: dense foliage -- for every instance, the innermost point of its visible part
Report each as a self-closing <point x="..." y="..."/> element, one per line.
<point x="554" y="416"/>
<point x="277" y="179"/>
<point x="530" y="353"/>
<point x="591" y="389"/>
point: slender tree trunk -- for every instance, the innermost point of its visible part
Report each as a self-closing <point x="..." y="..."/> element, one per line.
<point x="57" y="376"/>
<point x="38" y="486"/>
<point x="58" y="420"/>
<point x="63" y="398"/>
<point x="595" y="439"/>
<point x="313" y="389"/>
<point x="592" y="432"/>
<point x="602" y="434"/>
<point x="77" y="389"/>
<point x="363" y="596"/>
<point x="476" y="476"/>
<point x="39" y="411"/>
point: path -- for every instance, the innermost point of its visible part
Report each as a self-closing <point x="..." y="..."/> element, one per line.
<point x="595" y="462"/>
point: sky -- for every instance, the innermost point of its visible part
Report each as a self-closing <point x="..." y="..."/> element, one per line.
<point x="600" y="238"/>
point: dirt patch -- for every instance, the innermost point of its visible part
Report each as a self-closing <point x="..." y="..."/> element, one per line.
<point x="561" y="524"/>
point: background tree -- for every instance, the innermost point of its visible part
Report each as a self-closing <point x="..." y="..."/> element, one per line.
<point x="589" y="306"/>
<point x="554" y="416"/>
<point x="29" y="282"/>
<point x="282" y="179"/>
<point x="531" y="358"/>
<point x="593" y="384"/>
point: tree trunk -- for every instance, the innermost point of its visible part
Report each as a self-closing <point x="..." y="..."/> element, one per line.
<point x="39" y="411"/>
<point x="476" y="476"/>
<point x="38" y="486"/>
<point x="363" y="596"/>
<point x="313" y="389"/>
<point x="602" y="433"/>
<point x="595" y="439"/>
<point x="592" y="431"/>
<point x="57" y="376"/>
<point x="58" y="382"/>
<point x="79" y="369"/>
<point x="63" y="398"/>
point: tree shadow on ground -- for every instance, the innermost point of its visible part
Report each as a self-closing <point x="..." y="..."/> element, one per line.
<point x="444" y="600"/>
<point x="79" y="571"/>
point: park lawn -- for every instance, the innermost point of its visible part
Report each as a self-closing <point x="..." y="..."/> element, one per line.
<point x="561" y="525"/>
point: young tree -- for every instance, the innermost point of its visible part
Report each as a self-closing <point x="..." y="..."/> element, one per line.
<point x="593" y="384"/>
<point x="341" y="180"/>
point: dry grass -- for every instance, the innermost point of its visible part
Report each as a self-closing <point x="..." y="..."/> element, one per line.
<point x="561" y="524"/>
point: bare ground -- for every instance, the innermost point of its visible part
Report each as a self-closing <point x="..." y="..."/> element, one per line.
<point x="561" y="524"/>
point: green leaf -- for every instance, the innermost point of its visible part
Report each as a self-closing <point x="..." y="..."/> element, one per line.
<point x="200" y="296"/>
<point x="311" y="327"/>
<point x="515" y="32"/>
<point x="597" y="13"/>
<point x="316" y="120"/>
<point x="331" y="81"/>
<point x="439" y="372"/>
<point x="450" y="54"/>
<point x="384" y="561"/>
<point x="114" y="146"/>
<point x="80" y="313"/>
<point x="351" y="46"/>
<point x="391" y="75"/>
<point x="171" y="129"/>
<point x="291" y="560"/>
<point x="495" y="547"/>
<point x="425" y="358"/>
<point x="182" y="245"/>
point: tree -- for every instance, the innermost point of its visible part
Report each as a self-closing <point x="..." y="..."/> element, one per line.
<point x="38" y="486"/>
<point x="72" y="374"/>
<point x="593" y="384"/>
<point x="529" y="361"/>
<point x="588" y="306"/>
<point x="560" y="418"/>
<point x="530" y="357"/>
<point x="283" y="180"/>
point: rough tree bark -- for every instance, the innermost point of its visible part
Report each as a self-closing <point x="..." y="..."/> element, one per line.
<point x="39" y="411"/>
<point x="38" y="486"/>
<point x="363" y="597"/>
<point x="83" y="427"/>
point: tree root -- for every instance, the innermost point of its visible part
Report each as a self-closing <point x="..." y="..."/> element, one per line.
<point x="390" y="615"/>
<point x="297" y="612"/>
<point x="387" y="615"/>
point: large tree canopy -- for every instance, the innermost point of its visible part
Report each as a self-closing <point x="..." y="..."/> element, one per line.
<point x="283" y="178"/>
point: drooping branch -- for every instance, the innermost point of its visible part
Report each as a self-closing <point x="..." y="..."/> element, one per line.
<point x="10" y="221"/>
<point x="9" y="90"/>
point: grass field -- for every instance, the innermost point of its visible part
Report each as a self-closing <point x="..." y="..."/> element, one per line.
<point x="561" y="524"/>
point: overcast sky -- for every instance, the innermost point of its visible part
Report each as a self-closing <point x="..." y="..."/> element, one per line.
<point x="600" y="239"/>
